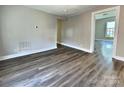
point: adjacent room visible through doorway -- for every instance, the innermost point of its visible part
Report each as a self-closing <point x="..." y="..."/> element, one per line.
<point x="104" y="33"/>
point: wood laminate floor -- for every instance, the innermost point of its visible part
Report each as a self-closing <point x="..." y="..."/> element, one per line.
<point x="64" y="67"/>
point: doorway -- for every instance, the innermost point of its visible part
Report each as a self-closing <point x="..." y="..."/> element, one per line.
<point x="104" y="29"/>
<point x="59" y="29"/>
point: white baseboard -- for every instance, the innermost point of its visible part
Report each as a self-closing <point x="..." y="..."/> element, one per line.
<point x="82" y="49"/>
<point x="103" y="40"/>
<point x="119" y="58"/>
<point x="24" y="53"/>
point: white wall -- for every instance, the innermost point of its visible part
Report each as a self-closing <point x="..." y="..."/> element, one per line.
<point x="18" y="33"/>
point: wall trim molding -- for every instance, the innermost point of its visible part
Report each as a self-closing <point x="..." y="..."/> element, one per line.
<point x="82" y="49"/>
<point x="119" y="58"/>
<point x="29" y="52"/>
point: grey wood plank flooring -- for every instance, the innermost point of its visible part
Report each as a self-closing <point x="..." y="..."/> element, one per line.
<point x="62" y="67"/>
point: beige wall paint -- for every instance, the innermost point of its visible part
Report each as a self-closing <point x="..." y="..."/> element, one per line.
<point x="77" y="30"/>
<point x="120" y="42"/>
<point x="59" y="29"/>
<point x="101" y="27"/>
<point x="1" y="43"/>
<point x="17" y="25"/>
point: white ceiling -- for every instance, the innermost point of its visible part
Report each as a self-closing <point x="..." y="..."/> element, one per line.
<point x="63" y="10"/>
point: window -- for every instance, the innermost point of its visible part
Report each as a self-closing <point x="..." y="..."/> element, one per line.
<point x="110" y="29"/>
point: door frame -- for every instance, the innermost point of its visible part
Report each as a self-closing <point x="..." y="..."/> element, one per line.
<point x="93" y="20"/>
